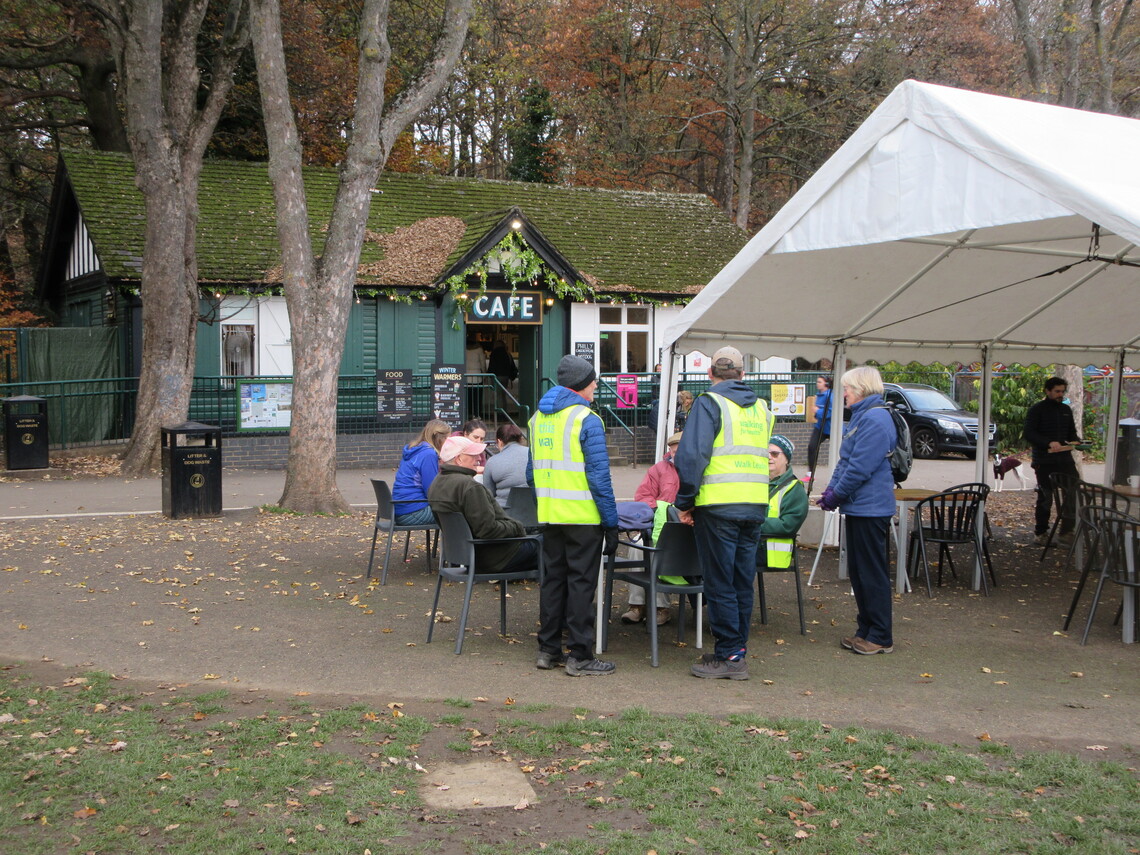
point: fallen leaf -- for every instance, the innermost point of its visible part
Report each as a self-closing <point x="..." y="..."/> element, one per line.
<point x="210" y="677"/>
<point x="522" y="805"/>
<point x="352" y="818"/>
<point x="84" y="812"/>
<point x="1096" y="747"/>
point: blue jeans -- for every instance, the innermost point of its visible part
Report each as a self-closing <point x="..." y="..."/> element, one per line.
<point x="727" y="549"/>
<point x="423" y="516"/>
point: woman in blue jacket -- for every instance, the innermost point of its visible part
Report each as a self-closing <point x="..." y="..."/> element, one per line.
<point x="418" y="468"/>
<point x="862" y="489"/>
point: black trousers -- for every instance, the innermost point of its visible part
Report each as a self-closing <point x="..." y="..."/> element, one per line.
<point x="817" y="439"/>
<point x="1044" y="470"/>
<point x="572" y="555"/>
<point x="870" y="576"/>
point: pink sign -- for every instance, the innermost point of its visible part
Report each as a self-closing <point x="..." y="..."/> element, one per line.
<point x="626" y="385"/>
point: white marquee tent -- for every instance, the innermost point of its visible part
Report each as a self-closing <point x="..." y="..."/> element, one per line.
<point x="951" y="226"/>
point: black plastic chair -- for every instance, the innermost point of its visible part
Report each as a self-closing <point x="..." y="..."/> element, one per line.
<point x="1119" y="536"/>
<point x="458" y="564"/>
<point x="674" y="554"/>
<point x="763" y="569"/>
<point x="386" y="522"/>
<point x="1064" y="489"/>
<point x="522" y="505"/>
<point x="946" y="519"/>
<point x="1089" y="496"/>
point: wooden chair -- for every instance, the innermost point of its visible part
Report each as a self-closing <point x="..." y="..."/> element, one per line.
<point x="674" y="554"/>
<point x="458" y="564"/>
<point x="386" y="522"/>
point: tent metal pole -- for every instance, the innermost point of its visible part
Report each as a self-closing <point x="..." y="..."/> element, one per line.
<point x="1112" y="429"/>
<point x="667" y="407"/>
<point x="982" y="454"/>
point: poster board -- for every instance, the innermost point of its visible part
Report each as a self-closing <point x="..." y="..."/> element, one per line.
<point x="626" y="386"/>
<point x="789" y="399"/>
<point x="265" y="405"/>
<point x="394" y="395"/>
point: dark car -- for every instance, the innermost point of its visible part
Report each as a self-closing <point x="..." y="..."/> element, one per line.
<point x="937" y="423"/>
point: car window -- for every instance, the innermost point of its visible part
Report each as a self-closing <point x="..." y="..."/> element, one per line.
<point x="931" y="399"/>
<point x="894" y="397"/>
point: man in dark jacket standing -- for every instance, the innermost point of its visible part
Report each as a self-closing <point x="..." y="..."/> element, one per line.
<point x="722" y="465"/>
<point x="1052" y="433"/>
<point x="570" y="470"/>
<point x="455" y="490"/>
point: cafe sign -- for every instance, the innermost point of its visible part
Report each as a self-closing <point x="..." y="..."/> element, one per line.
<point x="505" y="307"/>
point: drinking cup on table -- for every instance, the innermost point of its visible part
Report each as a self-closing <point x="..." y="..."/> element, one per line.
<point x="1134" y="481"/>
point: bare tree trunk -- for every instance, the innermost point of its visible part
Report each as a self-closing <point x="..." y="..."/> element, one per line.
<point x="318" y="292"/>
<point x="747" y="152"/>
<point x="1025" y="33"/>
<point x="1074" y="378"/>
<point x="169" y="123"/>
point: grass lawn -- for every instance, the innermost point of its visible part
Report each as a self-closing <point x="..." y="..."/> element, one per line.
<point x="90" y="765"/>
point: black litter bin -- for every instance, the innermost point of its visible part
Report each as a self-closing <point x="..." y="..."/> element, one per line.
<point x="26" y="432"/>
<point x="191" y="471"/>
<point x="1127" y="452"/>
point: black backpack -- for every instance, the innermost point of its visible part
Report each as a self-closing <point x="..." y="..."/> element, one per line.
<point x="902" y="455"/>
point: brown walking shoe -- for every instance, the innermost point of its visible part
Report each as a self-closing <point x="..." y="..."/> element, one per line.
<point x="636" y="614"/>
<point x="868" y="648"/>
<point x="848" y="643"/>
<point x="664" y="615"/>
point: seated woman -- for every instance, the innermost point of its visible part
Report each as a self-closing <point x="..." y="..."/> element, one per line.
<point x="418" y="468"/>
<point x="476" y="430"/>
<point x="787" y="507"/>
<point x="507" y="468"/>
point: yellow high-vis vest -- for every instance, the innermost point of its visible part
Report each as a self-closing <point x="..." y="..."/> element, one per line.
<point x="738" y="469"/>
<point x="779" y="553"/>
<point x="560" y="484"/>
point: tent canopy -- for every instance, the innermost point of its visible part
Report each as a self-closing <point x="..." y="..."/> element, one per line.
<point x="950" y="225"/>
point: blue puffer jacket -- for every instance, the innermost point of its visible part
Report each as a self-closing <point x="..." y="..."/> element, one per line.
<point x="593" y="439"/>
<point x="862" y="479"/>
<point x="418" y="468"/>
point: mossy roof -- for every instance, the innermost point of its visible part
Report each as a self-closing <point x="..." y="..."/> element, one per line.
<point x="619" y="240"/>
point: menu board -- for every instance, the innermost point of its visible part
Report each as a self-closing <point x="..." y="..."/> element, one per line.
<point x="394" y="394"/>
<point x="447" y="393"/>
<point x="585" y="350"/>
<point x="265" y="406"/>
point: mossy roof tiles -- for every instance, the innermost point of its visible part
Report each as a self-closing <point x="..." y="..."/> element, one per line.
<point x="621" y="240"/>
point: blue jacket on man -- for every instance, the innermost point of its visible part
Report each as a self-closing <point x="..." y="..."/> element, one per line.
<point x="862" y="481"/>
<point x="593" y="440"/>
<point x="695" y="451"/>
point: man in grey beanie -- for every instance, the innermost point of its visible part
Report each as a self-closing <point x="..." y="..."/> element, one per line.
<point x="570" y="471"/>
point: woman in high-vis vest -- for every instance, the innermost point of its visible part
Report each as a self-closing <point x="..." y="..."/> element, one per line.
<point x="570" y="470"/>
<point x="787" y="506"/>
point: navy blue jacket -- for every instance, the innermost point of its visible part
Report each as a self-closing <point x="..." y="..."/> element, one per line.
<point x="695" y="451"/>
<point x="593" y="440"/>
<point x="862" y="479"/>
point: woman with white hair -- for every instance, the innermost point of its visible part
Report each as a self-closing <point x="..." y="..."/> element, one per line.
<point x="862" y="488"/>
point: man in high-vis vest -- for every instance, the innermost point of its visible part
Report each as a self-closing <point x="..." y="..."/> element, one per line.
<point x="570" y="470"/>
<point x="722" y="464"/>
<point x="787" y="507"/>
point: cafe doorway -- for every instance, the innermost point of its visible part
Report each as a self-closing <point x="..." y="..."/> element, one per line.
<point x="495" y="398"/>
